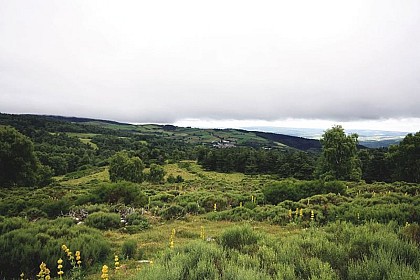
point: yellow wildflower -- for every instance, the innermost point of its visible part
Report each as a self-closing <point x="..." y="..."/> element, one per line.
<point x="60" y="266"/>
<point x="77" y="254"/>
<point x="44" y="272"/>
<point x="104" y="272"/>
<point x="202" y="233"/>
<point x="117" y="263"/>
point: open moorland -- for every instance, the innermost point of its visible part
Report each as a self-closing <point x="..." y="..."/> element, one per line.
<point x="90" y="199"/>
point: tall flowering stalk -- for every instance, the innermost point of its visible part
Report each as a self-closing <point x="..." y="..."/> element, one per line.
<point x="69" y="254"/>
<point x="117" y="263"/>
<point x="104" y="274"/>
<point x="78" y="261"/>
<point x="171" y="239"/>
<point x="60" y="267"/>
<point x="44" y="272"/>
<point x="290" y="214"/>
<point x="202" y="233"/>
<point x="75" y="261"/>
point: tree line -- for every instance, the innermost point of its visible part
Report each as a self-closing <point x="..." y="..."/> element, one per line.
<point x="340" y="159"/>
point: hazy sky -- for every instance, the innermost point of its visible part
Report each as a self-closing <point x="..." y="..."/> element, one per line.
<point x="307" y="63"/>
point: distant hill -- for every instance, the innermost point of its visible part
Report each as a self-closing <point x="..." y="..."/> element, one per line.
<point x="367" y="138"/>
<point x="211" y="137"/>
<point x="299" y="143"/>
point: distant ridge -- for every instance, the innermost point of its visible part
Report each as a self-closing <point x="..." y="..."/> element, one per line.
<point x="197" y="136"/>
<point x="296" y="142"/>
<point x="78" y="120"/>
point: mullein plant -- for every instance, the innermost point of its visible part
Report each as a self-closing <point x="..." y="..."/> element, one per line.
<point x="202" y="233"/>
<point x="171" y="239"/>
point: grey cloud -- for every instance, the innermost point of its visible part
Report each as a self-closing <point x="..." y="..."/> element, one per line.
<point x="161" y="62"/>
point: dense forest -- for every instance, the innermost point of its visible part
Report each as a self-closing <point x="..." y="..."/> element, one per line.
<point x="120" y="201"/>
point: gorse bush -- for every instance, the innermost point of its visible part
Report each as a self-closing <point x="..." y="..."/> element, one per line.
<point x="411" y="232"/>
<point x="101" y="220"/>
<point x="296" y="190"/>
<point x="172" y="212"/>
<point x="135" y="223"/>
<point x="121" y="192"/>
<point x="28" y="244"/>
<point x="239" y="238"/>
<point x="129" y="248"/>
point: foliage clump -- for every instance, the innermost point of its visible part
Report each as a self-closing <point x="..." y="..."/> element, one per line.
<point x="19" y="165"/>
<point x="122" y="167"/>
<point x="102" y="220"/>
<point x="26" y="244"/>
<point x="296" y="190"/>
<point x="339" y="159"/>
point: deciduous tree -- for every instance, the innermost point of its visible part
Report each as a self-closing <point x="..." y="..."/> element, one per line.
<point x="18" y="163"/>
<point x="339" y="158"/>
<point x="122" y="167"/>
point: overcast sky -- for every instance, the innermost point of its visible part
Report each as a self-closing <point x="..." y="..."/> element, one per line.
<point x="307" y="63"/>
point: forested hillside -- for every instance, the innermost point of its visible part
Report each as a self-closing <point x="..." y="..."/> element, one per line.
<point x="165" y="202"/>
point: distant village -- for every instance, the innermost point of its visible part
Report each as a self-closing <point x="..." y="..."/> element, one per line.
<point x="222" y="143"/>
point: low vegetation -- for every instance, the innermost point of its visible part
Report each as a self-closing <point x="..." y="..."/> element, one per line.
<point x="132" y="204"/>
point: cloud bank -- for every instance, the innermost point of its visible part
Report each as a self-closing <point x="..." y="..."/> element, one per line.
<point x="165" y="61"/>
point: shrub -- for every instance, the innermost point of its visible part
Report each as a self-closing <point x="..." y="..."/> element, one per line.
<point x="172" y="212"/>
<point x="25" y="247"/>
<point x="295" y="190"/>
<point x="172" y="179"/>
<point x="136" y="223"/>
<point x="10" y="224"/>
<point x="101" y="220"/>
<point x="411" y="232"/>
<point x="193" y="208"/>
<point x="239" y="237"/>
<point x="34" y="214"/>
<point x="122" y="192"/>
<point x="129" y="248"/>
<point x="235" y="214"/>
<point x="55" y="208"/>
<point x="156" y="174"/>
